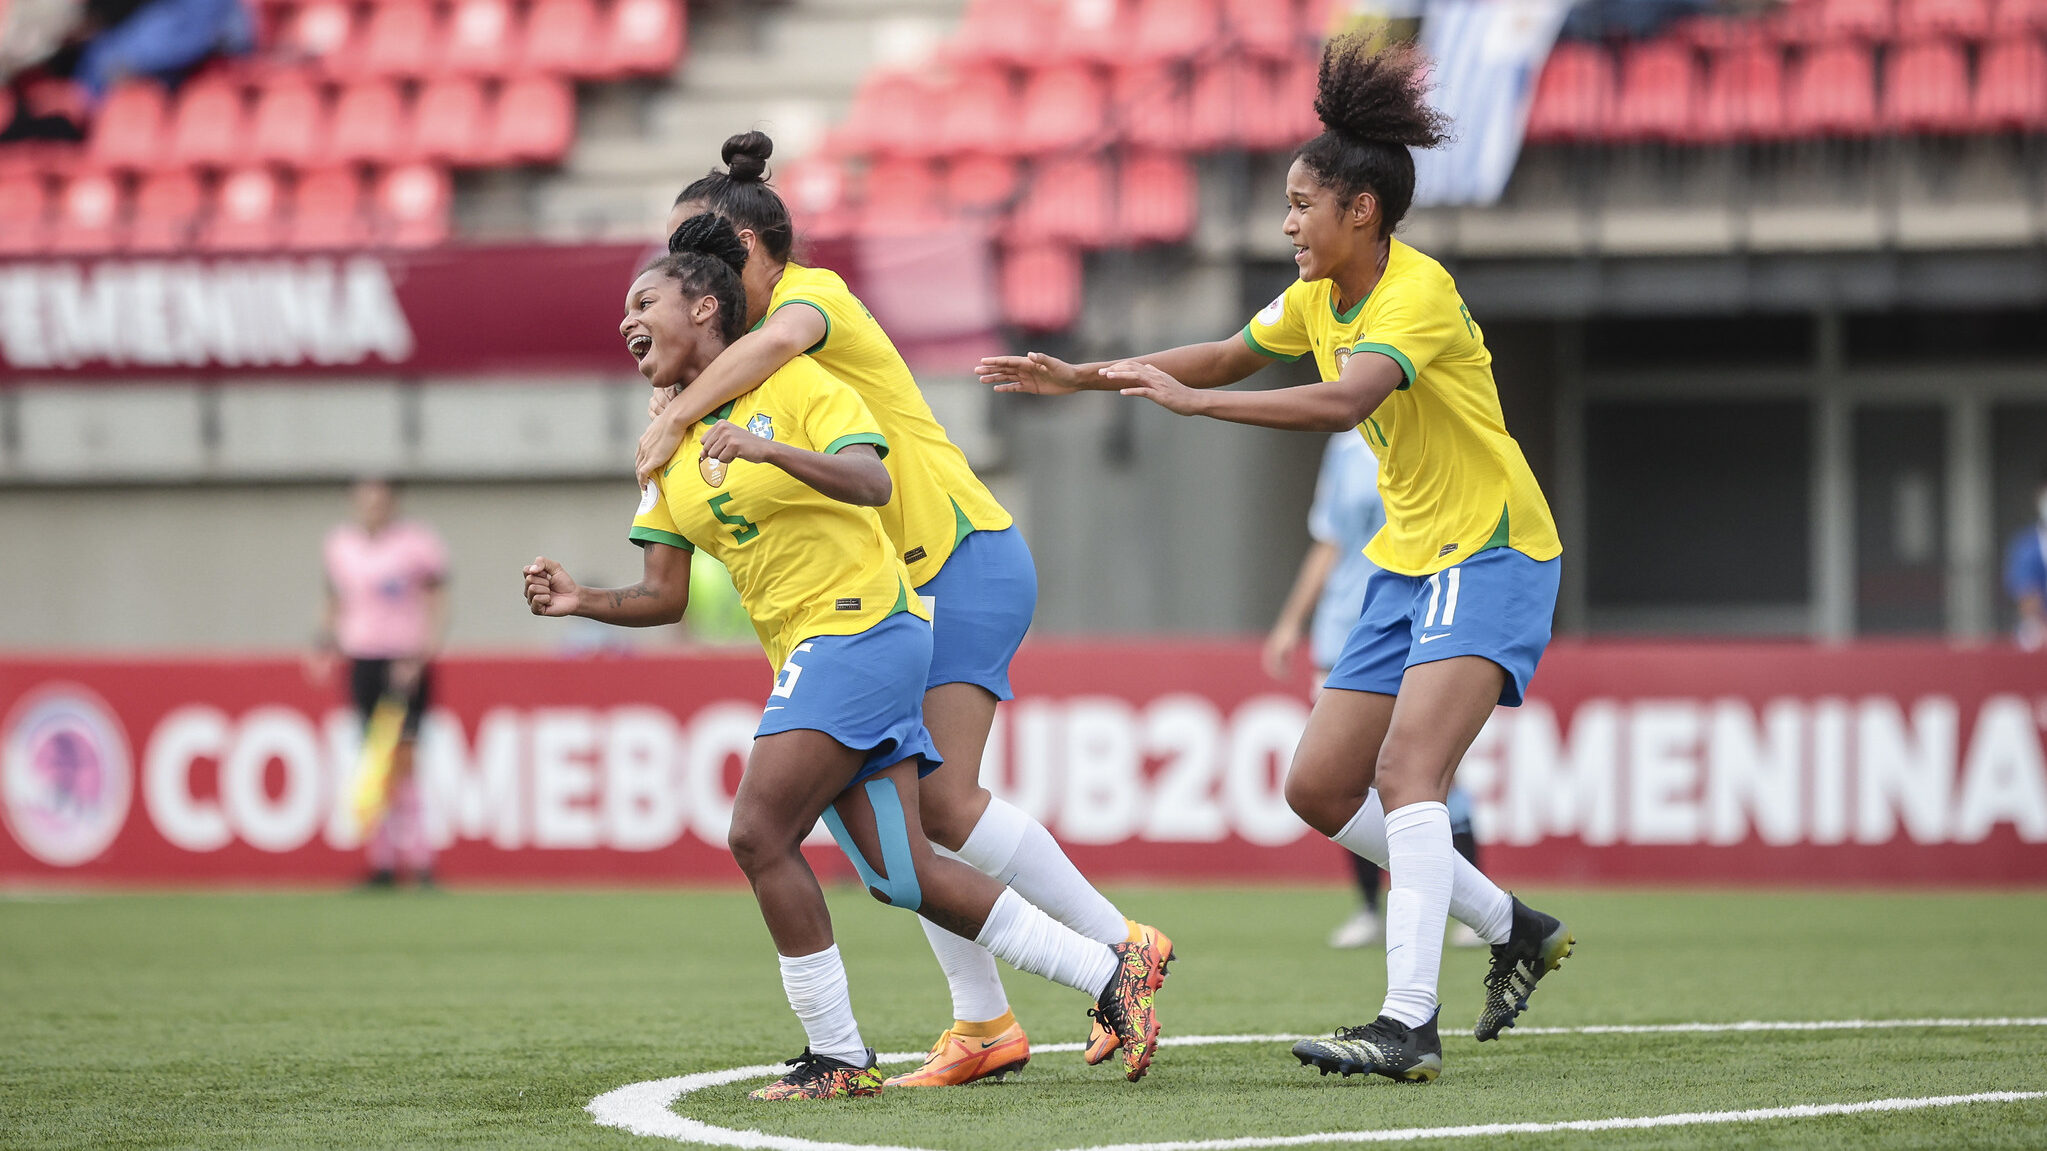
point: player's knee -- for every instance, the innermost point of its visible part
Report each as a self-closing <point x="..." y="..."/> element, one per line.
<point x="945" y="820"/>
<point x="753" y="841"/>
<point x="1320" y="801"/>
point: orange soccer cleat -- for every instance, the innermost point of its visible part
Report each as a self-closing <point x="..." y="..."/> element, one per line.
<point x="1101" y="1041"/>
<point x="969" y="1052"/>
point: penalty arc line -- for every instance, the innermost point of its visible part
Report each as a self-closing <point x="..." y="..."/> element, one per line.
<point x="647" y="1108"/>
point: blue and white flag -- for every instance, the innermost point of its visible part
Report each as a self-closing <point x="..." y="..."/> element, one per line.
<point x="1488" y="55"/>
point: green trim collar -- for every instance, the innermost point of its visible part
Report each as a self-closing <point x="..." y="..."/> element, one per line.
<point x="721" y="413"/>
<point x="1350" y="317"/>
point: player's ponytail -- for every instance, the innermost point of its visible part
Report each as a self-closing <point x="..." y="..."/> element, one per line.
<point x="704" y="258"/>
<point x="742" y="195"/>
<point x="1373" y="108"/>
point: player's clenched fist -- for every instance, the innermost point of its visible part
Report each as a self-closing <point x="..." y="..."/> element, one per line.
<point x="727" y="441"/>
<point x="549" y="590"/>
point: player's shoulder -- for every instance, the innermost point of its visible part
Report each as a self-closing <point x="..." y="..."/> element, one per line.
<point x="802" y="281"/>
<point x="1296" y="301"/>
<point x="1413" y="270"/>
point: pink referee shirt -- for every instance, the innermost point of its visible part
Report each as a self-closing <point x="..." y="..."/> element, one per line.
<point x="380" y="584"/>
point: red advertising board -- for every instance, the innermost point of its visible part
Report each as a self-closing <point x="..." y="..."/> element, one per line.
<point x="1895" y="763"/>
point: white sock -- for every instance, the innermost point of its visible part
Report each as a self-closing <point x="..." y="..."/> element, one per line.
<point x="1418" y="864"/>
<point x="1036" y="944"/>
<point x="816" y="986"/>
<point x="976" y="982"/>
<point x="1475" y="900"/>
<point x="1017" y="852"/>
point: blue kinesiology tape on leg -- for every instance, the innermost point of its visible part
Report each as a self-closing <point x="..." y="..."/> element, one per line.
<point x="899" y="887"/>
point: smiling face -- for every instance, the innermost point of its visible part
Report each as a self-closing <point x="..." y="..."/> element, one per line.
<point x="1328" y="232"/>
<point x="665" y="330"/>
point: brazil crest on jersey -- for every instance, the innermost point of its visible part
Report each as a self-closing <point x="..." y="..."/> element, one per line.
<point x="805" y="564"/>
<point x="938" y="498"/>
<point x="1454" y="482"/>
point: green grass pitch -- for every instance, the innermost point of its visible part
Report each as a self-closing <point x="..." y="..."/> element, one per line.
<point x="460" y="1019"/>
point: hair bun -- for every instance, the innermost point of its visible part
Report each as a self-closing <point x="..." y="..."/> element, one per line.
<point x="746" y="156"/>
<point x="711" y="235"/>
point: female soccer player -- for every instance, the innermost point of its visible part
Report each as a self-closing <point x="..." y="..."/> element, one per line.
<point x="780" y="484"/>
<point x="968" y="562"/>
<point x="1454" y="622"/>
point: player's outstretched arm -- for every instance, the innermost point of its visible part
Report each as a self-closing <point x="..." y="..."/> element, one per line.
<point x="659" y="598"/>
<point x="1209" y="365"/>
<point x="852" y="475"/>
<point x="1331" y="406"/>
<point x="739" y="369"/>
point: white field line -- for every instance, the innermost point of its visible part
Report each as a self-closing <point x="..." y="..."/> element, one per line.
<point x="647" y="1108"/>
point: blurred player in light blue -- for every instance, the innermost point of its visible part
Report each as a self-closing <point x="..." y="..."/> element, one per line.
<point x="2025" y="576"/>
<point x="1346" y="513"/>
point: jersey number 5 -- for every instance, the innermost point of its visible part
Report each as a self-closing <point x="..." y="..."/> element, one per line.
<point x="743" y="529"/>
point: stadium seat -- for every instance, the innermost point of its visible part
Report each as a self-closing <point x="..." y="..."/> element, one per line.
<point x="1151" y="106"/>
<point x="535" y="120"/>
<point x="1068" y="202"/>
<point x="1658" y="92"/>
<point x="642" y="38"/>
<point x="320" y="32"/>
<point x="1926" y="88"/>
<point x="247" y="214"/>
<point x="1012" y="33"/>
<point x="448" y="123"/>
<point x="1063" y="108"/>
<point x="1289" y="116"/>
<point x="368" y="124"/>
<point x="290" y="122"/>
<point x="327" y="211"/>
<point x="979" y="115"/>
<point x="1857" y="20"/>
<point x="1744" y="96"/>
<point x="1226" y="99"/>
<point x="167" y="205"/>
<point x="1962" y="19"/>
<point x="1089" y="31"/>
<point x="1155" y="200"/>
<point x="1173" y="30"/>
<point x="481" y="35"/>
<point x="2018" y="17"/>
<point x="982" y="184"/>
<point x="128" y="133"/>
<point x="1262" y="29"/>
<point x="1573" y="95"/>
<point x="412" y="206"/>
<point x="24" y="214"/>
<point x="2011" y="87"/>
<point x="893" y="114"/>
<point x="398" y="40"/>
<point x="903" y="196"/>
<point x="1833" y="92"/>
<point x="1041" y="287"/>
<point x="210" y="126"/>
<point x="818" y="191"/>
<point x="561" y="38"/>
<point x="89" y="215"/>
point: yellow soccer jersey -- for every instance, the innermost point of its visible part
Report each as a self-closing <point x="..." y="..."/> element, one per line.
<point x="1455" y="483"/>
<point x="938" y="498"/>
<point x="805" y="564"/>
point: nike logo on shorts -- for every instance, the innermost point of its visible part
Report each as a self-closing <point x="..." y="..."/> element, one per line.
<point x="776" y="707"/>
<point x="1437" y="636"/>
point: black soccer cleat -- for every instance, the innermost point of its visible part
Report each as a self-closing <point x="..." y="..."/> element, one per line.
<point x="1385" y="1046"/>
<point x="1537" y="945"/>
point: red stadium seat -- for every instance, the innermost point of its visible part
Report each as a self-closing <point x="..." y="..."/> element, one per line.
<point x="893" y="114"/>
<point x="24" y="214"/>
<point x="2011" y="87"/>
<point x="368" y="124"/>
<point x="1068" y="202"/>
<point x="1659" y="89"/>
<point x="561" y="38"/>
<point x="320" y="32"/>
<point x="1289" y="117"/>
<point x="1867" y="20"/>
<point x="1574" y="95"/>
<point x="210" y="126"/>
<point x="978" y="115"/>
<point x="1744" y="96"/>
<point x="1006" y="32"/>
<point x="903" y="196"/>
<point x="128" y="133"/>
<point x="1090" y="31"/>
<point x="89" y="215"/>
<point x="1156" y="199"/>
<point x="481" y="38"/>
<point x="2019" y="17"/>
<point x="448" y="123"/>
<point x="982" y="184"/>
<point x="1041" y="287"/>
<point x="290" y="124"/>
<point x="642" y="38"/>
<point x="167" y="206"/>
<point x="1833" y="92"/>
<point x="1173" y="29"/>
<point x="1924" y="19"/>
<point x="412" y="206"/>
<point x="1263" y="29"/>
<point x="1151" y="106"/>
<point x="247" y="214"/>
<point x="1063" y="108"/>
<point x="535" y="120"/>
<point x="1926" y="88"/>
<point x="819" y="194"/>
<point x="327" y="211"/>
<point x="398" y="40"/>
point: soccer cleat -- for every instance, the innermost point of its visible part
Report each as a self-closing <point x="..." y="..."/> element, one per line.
<point x="1385" y="1046"/>
<point x="958" y="1059"/>
<point x="1102" y="1042"/>
<point x="1537" y="945"/>
<point x="1125" y="1006"/>
<point x="821" y="1077"/>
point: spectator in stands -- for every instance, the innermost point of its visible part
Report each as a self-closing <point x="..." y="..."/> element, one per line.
<point x="161" y="39"/>
<point x="2025" y="575"/>
<point x="386" y="613"/>
<point x="32" y="31"/>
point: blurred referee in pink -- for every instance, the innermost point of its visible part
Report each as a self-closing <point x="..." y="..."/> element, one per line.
<point x="386" y="613"/>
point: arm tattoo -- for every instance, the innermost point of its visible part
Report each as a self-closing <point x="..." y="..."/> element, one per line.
<point x="638" y="591"/>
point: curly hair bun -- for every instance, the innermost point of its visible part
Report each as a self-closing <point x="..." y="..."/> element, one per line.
<point x="709" y="234"/>
<point x="746" y="156"/>
<point x="1376" y="95"/>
